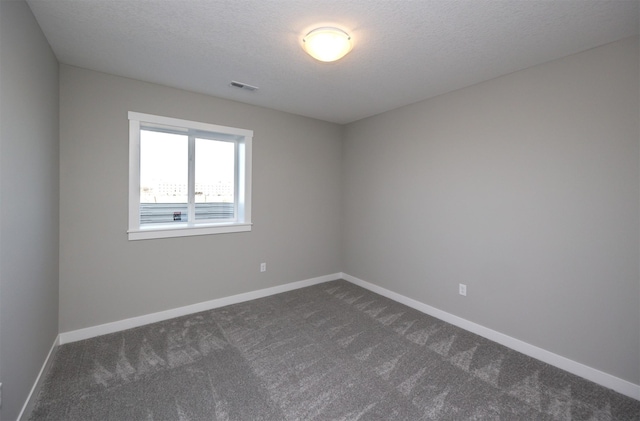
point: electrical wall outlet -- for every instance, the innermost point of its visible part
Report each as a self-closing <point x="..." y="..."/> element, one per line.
<point x="462" y="289"/>
<point x="263" y="267"/>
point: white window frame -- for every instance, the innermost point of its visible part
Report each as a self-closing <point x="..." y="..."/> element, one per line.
<point x="243" y="140"/>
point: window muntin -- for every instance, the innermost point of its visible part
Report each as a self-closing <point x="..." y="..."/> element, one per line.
<point x="187" y="178"/>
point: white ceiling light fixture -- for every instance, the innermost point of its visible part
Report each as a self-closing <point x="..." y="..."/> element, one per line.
<point x="327" y="43"/>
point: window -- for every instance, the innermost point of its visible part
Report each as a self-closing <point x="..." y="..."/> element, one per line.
<point x="187" y="178"/>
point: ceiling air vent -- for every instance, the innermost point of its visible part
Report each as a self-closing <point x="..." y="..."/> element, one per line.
<point x="244" y="86"/>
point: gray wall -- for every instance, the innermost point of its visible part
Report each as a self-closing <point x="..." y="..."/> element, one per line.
<point x="28" y="203"/>
<point x="525" y="188"/>
<point x="104" y="277"/>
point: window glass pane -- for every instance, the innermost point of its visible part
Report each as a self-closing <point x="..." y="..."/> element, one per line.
<point x="215" y="179"/>
<point x="164" y="159"/>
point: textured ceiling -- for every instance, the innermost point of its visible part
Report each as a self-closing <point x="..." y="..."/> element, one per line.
<point x="404" y="51"/>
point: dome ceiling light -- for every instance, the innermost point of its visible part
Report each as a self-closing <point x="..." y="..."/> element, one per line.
<point x="327" y="44"/>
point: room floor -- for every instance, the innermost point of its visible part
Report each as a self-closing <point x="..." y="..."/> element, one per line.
<point x="333" y="351"/>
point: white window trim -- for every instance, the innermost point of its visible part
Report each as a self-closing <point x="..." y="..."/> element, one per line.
<point x="242" y="223"/>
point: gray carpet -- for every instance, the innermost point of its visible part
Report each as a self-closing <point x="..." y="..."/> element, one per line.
<point x="332" y="351"/>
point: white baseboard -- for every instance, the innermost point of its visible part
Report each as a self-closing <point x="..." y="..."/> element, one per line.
<point x="28" y="404"/>
<point x="607" y="380"/>
<point x="604" y="379"/>
<point x="90" y="332"/>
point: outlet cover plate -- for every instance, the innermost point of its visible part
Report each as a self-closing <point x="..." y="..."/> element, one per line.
<point x="462" y="289"/>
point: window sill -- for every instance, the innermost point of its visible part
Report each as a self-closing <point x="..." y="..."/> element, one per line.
<point x="170" y="232"/>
